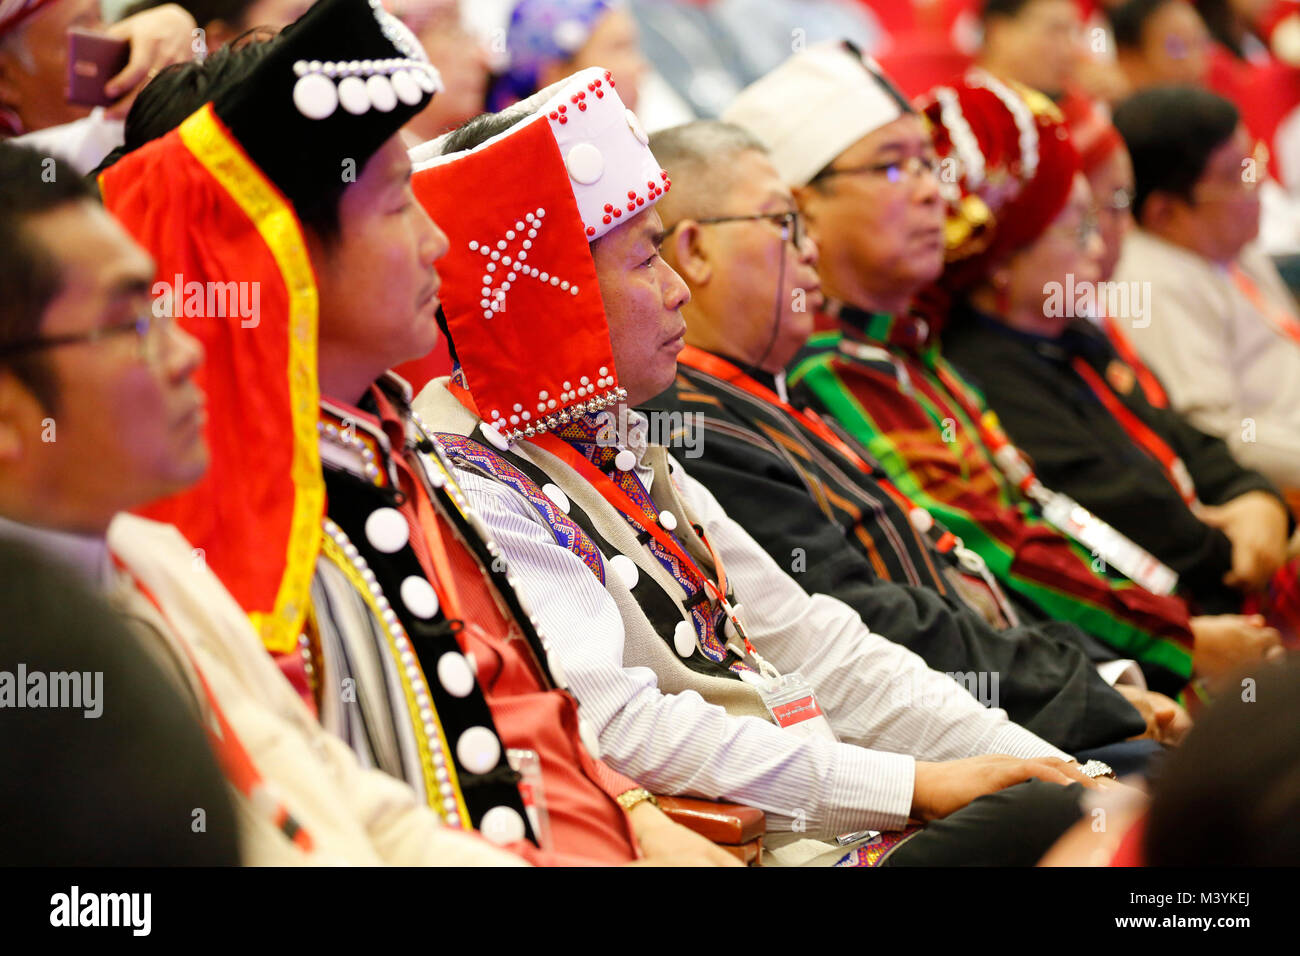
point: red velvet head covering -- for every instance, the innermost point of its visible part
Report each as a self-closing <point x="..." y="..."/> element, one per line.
<point x="1007" y="168"/>
<point x="520" y="292"/>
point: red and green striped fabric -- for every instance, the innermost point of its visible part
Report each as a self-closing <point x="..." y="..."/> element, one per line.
<point x="896" y="405"/>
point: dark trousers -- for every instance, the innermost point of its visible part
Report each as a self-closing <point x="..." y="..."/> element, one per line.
<point x="1013" y="827"/>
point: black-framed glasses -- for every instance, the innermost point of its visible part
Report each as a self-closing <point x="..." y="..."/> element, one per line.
<point x="893" y="171"/>
<point x="1083" y="232"/>
<point x="790" y="222"/>
<point x="148" y="329"/>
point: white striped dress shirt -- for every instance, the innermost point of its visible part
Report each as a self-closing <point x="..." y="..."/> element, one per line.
<point x="887" y="707"/>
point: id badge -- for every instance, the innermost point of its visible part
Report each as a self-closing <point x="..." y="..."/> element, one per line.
<point x="529" y="767"/>
<point x="793" y="705"/>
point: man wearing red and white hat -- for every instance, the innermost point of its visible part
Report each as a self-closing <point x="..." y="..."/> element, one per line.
<point x="562" y="315"/>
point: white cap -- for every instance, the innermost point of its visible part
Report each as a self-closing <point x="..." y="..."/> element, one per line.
<point x="814" y="106"/>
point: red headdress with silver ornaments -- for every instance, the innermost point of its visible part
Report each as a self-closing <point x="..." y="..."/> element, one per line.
<point x="1007" y="164"/>
<point x="520" y="292"/>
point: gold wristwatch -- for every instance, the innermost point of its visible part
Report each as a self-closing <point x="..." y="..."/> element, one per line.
<point x="631" y="798"/>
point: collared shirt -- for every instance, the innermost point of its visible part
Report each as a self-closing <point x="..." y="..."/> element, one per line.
<point x="876" y="693"/>
<point x="1226" y="368"/>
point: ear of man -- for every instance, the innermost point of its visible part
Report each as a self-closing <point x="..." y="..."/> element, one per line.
<point x="687" y="253"/>
<point x="18" y="409"/>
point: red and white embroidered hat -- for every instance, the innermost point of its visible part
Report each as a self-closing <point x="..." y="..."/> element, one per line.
<point x="519" y="291"/>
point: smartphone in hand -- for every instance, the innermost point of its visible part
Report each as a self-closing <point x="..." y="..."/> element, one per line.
<point x="93" y="60"/>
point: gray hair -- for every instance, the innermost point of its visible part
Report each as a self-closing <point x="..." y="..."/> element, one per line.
<point x="697" y="156"/>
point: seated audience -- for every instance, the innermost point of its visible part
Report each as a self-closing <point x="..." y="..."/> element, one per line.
<point x="697" y="623"/>
<point x="1020" y="306"/>
<point x="383" y="653"/>
<point x="100" y="414"/>
<point x="222" y="20"/>
<point x="806" y="495"/>
<point x="1223" y="332"/>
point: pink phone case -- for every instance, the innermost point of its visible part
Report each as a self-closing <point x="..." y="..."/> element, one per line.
<point x="93" y="60"/>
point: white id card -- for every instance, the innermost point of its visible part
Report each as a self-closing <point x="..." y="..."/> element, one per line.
<point x="793" y="706"/>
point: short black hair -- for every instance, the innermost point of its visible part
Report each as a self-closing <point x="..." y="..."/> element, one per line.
<point x="31" y="184"/>
<point x="1128" y="21"/>
<point x="232" y="12"/>
<point x="1170" y="132"/>
<point x="182" y="88"/>
<point x="1230" y="794"/>
<point x="1008" y="9"/>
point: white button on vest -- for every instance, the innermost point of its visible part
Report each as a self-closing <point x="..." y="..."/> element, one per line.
<point x="455" y="675"/>
<point x="668" y="521"/>
<point x="494" y="437"/>
<point x="589" y="739"/>
<point x="684" y="639"/>
<point x="419" y="597"/>
<point x="559" y="497"/>
<point x="478" y="750"/>
<point x="625" y="460"/>
<point x="921" y="520"/>
<point x="387" y="530"/>
<point x="502" y="826"/>
<point x="626" y="570"/>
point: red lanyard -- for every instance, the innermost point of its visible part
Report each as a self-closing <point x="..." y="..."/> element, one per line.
<point x="720" y="368"/>
<point x="1136" y="429"/>
<point x="1278" y="317"/>
<point x="435" y="542"/>
<point x="1124" y="346"/>
<point x="237" y="765"/>
<point x="619" y="498"/>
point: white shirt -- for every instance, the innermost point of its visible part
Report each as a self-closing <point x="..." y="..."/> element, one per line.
<point x="1224" y="365"/>
<point x="679" y="743"/>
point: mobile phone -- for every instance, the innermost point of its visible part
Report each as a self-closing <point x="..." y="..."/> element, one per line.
<point x="93" y="60"/>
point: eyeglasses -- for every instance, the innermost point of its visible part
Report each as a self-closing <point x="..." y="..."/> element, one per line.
<point x="893" y="171"/>
<point x="791" y="223"/>
<point x="148" y="328"/>
<point x="1082" y="233"/>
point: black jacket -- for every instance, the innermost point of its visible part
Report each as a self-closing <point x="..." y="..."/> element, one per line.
<point x="1077" y="447"/>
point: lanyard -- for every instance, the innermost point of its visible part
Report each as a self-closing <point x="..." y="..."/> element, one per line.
<point x="435" y="543"/>
<point x="720" y="368"/>
<point x="1278" y="317"/>
<point x="234" y="759"/>
<point x="1060" y="511"/>
<point x="620" y="499"/>
<point x="1155" y="392"/>
<point x="1140" y="432"/>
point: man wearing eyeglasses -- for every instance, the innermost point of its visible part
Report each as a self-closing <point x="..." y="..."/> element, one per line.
<point x="100" y="413"/>
<point x="816" y="501"/>
<point x="824" y="113"/>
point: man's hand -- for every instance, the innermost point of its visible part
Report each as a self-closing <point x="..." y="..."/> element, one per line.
<point x="159" y="37"/>
<point x="1167" y="723"/>
<point x="664" y="843"/>
<point x="1255" y="523"/>
<point x="944" y="788"/>
<point x="1227" y="642"/>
